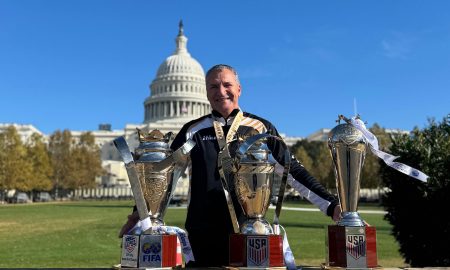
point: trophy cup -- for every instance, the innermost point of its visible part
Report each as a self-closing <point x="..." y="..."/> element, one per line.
<point x="351" y="243"/>
<point x="153" y="172"/>
<point x="256" y="244"/>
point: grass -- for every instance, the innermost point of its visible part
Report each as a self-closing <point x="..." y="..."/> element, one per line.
<point x="84" y="234"/>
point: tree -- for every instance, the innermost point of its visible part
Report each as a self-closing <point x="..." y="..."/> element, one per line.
<point x="3" y="156"/>
<point x="303" y="157"/>
<point x="75" y="163"/>
<point x="415" y="209"/>
<point x="323" y="165"/>
<point x="39" y="158"/>
<point x="60" y="146"/>
<point x="311" y="147"/>
<point x="87" y="157"/>
<point x="15" y="167"/>
<point x="316" y="158"/>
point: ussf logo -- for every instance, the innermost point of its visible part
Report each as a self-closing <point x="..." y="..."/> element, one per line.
<point x="356" y="245"/>
<point x="130" y="243"/>
<point x="257" y="251"/>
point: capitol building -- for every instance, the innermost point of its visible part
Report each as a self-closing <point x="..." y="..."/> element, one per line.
<point x="177" y="95"/>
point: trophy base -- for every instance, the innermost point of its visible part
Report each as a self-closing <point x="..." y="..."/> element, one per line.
<point x="149" y="251"/>
<point x="256" y="251"/>
<point x="327" y="267"/>
<point x="351" y="247"/>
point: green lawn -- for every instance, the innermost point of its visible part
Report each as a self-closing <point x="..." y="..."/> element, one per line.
<point x="84" y="234"/>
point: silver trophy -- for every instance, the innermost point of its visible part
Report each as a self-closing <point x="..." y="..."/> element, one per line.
<point x="253" y="182"/>
<point x="153" y="171"/>
<point x="255" y="242"/>
<point x="348" y="149"/>
<point x="156" y="183"/>
<point x="351" y="243"/>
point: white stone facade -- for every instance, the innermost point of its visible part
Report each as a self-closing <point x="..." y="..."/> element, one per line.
<point x="24" y="130"/>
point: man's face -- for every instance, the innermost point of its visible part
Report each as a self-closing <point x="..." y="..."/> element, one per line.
<point x="223" y="91"/>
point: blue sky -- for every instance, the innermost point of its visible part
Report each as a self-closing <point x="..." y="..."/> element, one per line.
<point x="75" y="64"/>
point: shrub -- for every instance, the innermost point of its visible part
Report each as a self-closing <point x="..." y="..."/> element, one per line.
<point x="418" y="211"/>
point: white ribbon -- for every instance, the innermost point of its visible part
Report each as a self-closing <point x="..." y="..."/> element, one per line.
<point x="144" y="224"/>
<point x="386" y="157"/>
<point x="181" y="234"/>
<point x="289" y="259"/>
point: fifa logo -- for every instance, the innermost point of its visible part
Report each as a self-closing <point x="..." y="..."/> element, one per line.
<point x="356" y="245"/>
<point x="152" y="252"/>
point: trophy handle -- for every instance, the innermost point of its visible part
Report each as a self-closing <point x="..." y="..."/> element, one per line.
<point x="178" y="157"/>
<point x="127" y="157"/>
<point x="250" y="141"/>
<point x="227" y="167"/>
<point x="176" y="175"/>
<point x="287" y="167"/>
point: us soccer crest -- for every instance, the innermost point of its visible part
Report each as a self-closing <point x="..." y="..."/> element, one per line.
<point x="130" y="243"/>
<point x="130" y="251"/>
<point x="257" y="251"/>
<point x="356" y="245"/>
<point x="351" y="247"/>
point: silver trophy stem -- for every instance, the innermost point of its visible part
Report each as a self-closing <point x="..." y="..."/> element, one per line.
<point x="348" y="149"/>
<point x="351" y="219"/>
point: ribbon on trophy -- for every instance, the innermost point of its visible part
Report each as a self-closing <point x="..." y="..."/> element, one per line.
<point x="386" y="157"/>
<point x="225" y="162"/>
<point x="181" y="234"/>
<point x="289" y="259"/>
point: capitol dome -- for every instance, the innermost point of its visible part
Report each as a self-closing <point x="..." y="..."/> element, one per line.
<point x="180" y="63"/>
<point x="178" y="93"/>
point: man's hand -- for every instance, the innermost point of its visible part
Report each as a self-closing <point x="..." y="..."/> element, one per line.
<point x="337" y="213"/>
<point x="132" y="220"/>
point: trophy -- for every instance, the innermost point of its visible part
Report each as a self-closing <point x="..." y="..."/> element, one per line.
<point x="351" y="243"/>
<point x="255" y="243"/>
<point x="153" y="171"/>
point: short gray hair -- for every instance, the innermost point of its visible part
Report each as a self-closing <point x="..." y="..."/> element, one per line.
<point x="221" y="67"/>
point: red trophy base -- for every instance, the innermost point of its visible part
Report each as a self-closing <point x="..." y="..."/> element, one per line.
<point x="148" y="250"/>
<point x="256" y="250"/>
<point x="351" y="247"/>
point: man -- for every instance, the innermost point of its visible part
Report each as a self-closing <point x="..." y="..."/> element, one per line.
<point x="208" y="219"/>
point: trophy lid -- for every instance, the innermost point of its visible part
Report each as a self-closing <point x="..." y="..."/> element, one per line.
<point x="154" y="136"/>
<point x="256" y="154"/>
<point x="345" y="133"/>
<point x="253" y="149"/>
<point x="153" y="146"/>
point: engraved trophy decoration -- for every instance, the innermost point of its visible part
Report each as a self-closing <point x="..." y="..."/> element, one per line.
<point x="255" y="242"/>
<point x="351" y="243"/>
<point x="153" y="171"/>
